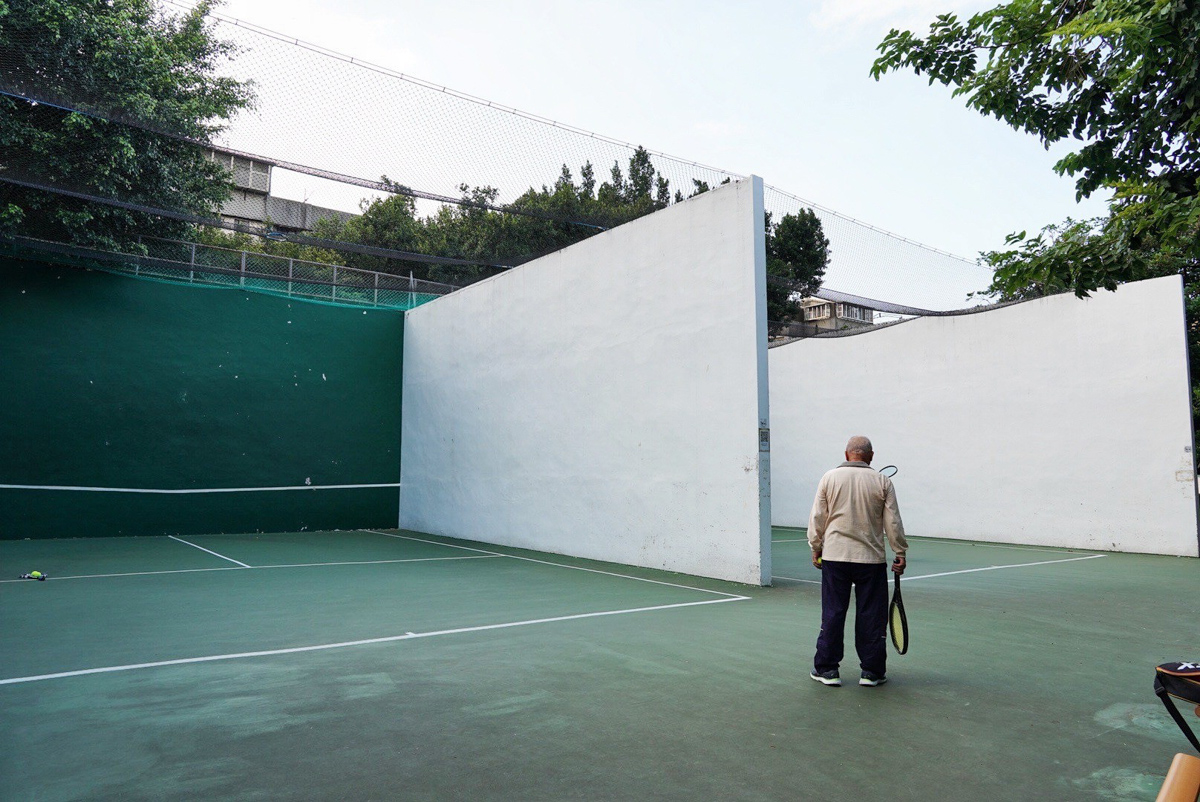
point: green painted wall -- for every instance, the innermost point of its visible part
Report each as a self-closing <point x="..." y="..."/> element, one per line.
<point x="107" y="381"/>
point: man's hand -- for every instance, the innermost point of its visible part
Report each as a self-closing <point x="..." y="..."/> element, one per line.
<point x="898" y="565"/>
<point x="816" y="558"/>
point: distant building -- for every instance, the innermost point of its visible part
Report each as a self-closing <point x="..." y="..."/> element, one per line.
<point x="825" y="315"/>
<point x="252" y="202"/>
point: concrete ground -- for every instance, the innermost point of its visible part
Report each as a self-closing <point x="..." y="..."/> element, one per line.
<point x="392" y="665"/>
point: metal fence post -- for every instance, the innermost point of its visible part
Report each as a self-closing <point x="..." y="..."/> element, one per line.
<point x="192" y="271"/>
<point x="377" y="289"/>
<point x="242" y="279"/>
<point x="335" y="282"/>
<point x="290" y="263"/>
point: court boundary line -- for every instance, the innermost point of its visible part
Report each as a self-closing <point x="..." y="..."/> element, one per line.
<point x="258" y="567"/>
<point x="1000" y="567"/>
<point x="363" y="642"/>
<point x="1062" y="550"/>
<point x="73" y="488"/>
<point x="209" y="551"/>
<point x="956" y="542"/>
<point x="797" y="579"/>
<point x="379" y="562"/>
<point x="732" y="596"/>
<point x="965" y="570"/>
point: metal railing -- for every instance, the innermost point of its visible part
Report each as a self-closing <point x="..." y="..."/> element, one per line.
<point x="195" y="263"/>
<point x="293" y="277"/>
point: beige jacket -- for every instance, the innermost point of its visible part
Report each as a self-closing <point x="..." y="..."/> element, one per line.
<point x="855" y="506"/>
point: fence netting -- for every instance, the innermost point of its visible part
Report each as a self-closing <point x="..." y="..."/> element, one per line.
<point x="182" y="262"/>
<point x="488" y="186"/>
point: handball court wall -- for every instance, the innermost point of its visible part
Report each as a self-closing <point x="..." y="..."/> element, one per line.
<point x="1061" y="421"/>
<point x="182" y="410"/>
<point x="604" y="401"/>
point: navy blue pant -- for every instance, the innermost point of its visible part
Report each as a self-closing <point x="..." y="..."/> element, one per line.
<point x="870" y="584"/>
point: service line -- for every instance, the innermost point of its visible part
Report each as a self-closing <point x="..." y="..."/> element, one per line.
<point x="260" y="567"/>
<point x="366" y="642"/>
<point x="1001" y="567"/>
<point x="797" y="579"/>
<point x="953" y="542"/>
<point x="965" y="570"/>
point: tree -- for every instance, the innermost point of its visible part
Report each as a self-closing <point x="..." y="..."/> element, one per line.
<point x="536" y="222"/>
<point x="797" y="254"/>
<point x="641" y="176"/>
<point x="1122" y="78"/>
<point x="541" y="221"/>
<point x="119" y="60"/>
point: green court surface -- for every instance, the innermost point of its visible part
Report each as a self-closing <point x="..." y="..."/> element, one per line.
<point x="393" y="665"/>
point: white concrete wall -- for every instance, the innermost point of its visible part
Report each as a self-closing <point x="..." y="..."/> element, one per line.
<point x="1060" y="421"/>
<point x="603" y="401"/>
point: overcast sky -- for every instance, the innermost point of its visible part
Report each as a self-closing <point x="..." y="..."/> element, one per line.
<point x="777" y="89"/>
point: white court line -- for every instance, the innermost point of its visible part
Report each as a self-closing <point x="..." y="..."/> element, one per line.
<point x="210" y="551"/>
<point x="965" y="543"/>
<point x="1003" y="546"/>
<point x="368" y="641"/>
<point x="947" y="540"/>
<point x="194" y="490"/>
<point x="1001" y="567"/>
<point x="258" y="567"/>
<point x="732" y="596"/>
<point x="965" y="570"/>
<point x="797" y="579"/>
<point x="129" y="573"/>
<point x="382" y="562"/>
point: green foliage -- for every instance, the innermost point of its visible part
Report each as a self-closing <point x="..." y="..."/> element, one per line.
<point x="1149" y="232"/>
<point x="1121" y="77"/>
<point x="797" y="252"/>
<point x="474" y="230"/>
<point x="797" y="249"/>
<point x="126" y="60"/>
<point x="238" y="241"/>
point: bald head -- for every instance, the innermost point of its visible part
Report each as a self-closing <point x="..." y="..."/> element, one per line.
<point x="859" y="450"/>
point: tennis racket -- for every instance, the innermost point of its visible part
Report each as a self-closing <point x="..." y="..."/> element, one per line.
<point x="897" y="620"/>
<point x="889" y="470"/>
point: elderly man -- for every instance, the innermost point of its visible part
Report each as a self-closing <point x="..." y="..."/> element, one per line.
<point x="854" y="508"/>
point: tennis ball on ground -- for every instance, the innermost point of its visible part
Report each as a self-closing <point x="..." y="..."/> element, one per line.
<point x="35" y="574"/>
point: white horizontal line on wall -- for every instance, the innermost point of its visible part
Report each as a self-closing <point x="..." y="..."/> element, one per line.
<point x="195" y="489"/>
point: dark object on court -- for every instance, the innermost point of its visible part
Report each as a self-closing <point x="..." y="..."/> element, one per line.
<point x="1182" y="681"/>
<point x="897" y="620"/>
